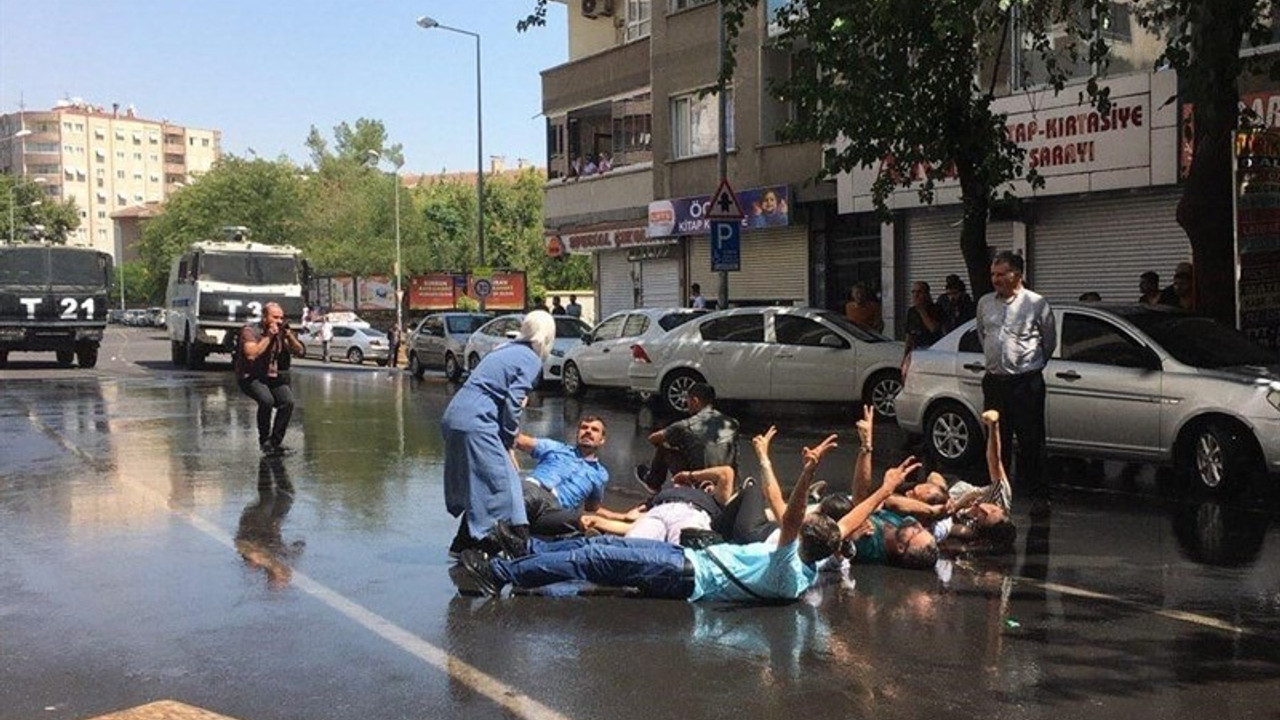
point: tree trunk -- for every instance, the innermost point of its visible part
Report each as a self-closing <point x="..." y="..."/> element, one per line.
<point x="976" y="199"/>
<point x="1204" y="212"/>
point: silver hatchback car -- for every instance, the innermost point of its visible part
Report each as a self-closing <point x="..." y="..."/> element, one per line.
<point x="439" y="341"/>
<point x="1127" y="382"/>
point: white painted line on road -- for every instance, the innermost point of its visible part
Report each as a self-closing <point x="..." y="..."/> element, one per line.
<point x="1179" y="615"/>
<point x="508" y="697"/>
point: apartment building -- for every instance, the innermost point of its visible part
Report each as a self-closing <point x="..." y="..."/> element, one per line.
<point x="106" y="160"/>
<point x="631" y="157"/>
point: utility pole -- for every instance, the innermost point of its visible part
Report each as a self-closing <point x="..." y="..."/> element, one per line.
<point x="722" y="152"/>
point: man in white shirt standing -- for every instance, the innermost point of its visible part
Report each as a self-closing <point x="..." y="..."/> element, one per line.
<point x="1018" y="335"/>
<point x="326" y="336"/>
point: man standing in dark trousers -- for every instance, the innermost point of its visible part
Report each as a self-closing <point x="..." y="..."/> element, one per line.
<point x="1018" y="335"/>
<point x="262" y="370"/>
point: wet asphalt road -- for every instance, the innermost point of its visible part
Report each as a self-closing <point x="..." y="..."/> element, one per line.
<point x="139" y="560"/>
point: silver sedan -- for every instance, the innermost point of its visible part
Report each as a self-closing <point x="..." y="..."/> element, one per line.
<point x="1127" y="382"/>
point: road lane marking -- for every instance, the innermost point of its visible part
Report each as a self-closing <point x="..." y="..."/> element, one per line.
<point x="504" y="695"/>
<point x="1180" y="615"/>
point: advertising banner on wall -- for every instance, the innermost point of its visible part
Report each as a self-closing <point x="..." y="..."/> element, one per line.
<point x="441" y="291"/>
<point x="342" y="293"/>
<point x="505" y="291"/>
<point x="432" y="292"/>
<point x="377" y="292"/>
<point x="1258" y="235"/>
<point x="762" y="207"/>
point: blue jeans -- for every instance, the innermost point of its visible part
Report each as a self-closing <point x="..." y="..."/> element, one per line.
<point x="656" y="568"/>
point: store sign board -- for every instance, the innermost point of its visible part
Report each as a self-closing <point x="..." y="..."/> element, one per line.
<point x="1258" y="234"/>
<point x="762" y="207"/>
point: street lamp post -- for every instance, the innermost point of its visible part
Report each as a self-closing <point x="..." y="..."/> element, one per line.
<point x="12" y="188"/>
<point x="395" y="174"/>
<point x="428" y="23"/>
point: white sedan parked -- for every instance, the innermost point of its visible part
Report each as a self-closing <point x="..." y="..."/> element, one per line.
<point x="771" y="353"/>
<point x="569" y="332"/>
<point x="604" y="357"/>
<point x="1127" y="382"/>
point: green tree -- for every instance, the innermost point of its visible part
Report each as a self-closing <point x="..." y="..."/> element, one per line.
<point x="263" y="195"/>
<point x="31" y="208"/>
<point x="139" y="287"/>
<point x="1203" y="43"/>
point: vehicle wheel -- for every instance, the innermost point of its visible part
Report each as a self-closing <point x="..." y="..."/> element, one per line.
<point x="177" y="354"/>
<point x="65" y="357"/>
<point x="1216" y="456"/>
<point x="87" y="356"/>
<point x="675" y="389"/>
<point x="881" y="392"/>
<point x="472" y="361"/>
<point x="415" y="366"/>
<point x="195" y="355"/>
<point x="452" y="368"/>
<point x="572" y="381"/>
<point x="355" y="356"/>
<point x="953" y="436"/>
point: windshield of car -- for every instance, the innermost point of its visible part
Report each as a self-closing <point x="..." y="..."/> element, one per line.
<point x="568" y="327"/>
<point x="672" y="321"/>
<point x="24" y="266"/>
<point x="249" y="269"/>
<point x="77" y="267"/>
<point x="853" y="329"/>
<point x="1201" y="342"/>
<point x="42" y="265"/>
<point x="463" y="324"/>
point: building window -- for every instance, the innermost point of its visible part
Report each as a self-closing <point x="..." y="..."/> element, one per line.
<point x="79" y="127"/>
<point x="137" y="176"/>
<point x="99" y="134"/>
<point x="695" y="124"/>
<point x="119" y="174"/>
<point x="638" y="19"/>
<point x="66" y="126"/>
<point x="102" y="214"/>
<point x="684" y="4"/>
<point x="192" y="142"/>
<point x="120" y="135"/>
<point x="137" y="156"/>
<point x="204" y="142"/>
<point x="100" y="156"/>
<point x="119" y="154"/>
<point x="155" y="178"/>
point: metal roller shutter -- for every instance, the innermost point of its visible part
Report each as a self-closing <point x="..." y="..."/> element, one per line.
<point x="775" y="267"/>
<point x="1103" y="244"/>
<point x="614" y="281"/>
<point x="933" y="249"/>
<point x="660" y="279"/>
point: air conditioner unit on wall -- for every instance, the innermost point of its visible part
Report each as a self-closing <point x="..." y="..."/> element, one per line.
<point x="597" y="8"/>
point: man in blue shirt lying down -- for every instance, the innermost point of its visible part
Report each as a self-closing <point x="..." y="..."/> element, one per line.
<point x="758" y="572"/>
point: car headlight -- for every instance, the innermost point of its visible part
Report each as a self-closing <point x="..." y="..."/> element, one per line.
<point x="557" y="353"/>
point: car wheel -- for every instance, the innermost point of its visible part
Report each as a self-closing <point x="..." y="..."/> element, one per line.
<point x="472" y="361"/>
<point x="65" y="357"/>
<point x="953" y="436"/>
<point x="355" y="356"/>
<point x="87" y="355"/>
<point x="675" y="389"/>
<point x="572" y="381"/>
<point x="415" y="366"/>
<point x="1216" y="456"/>
<point x="882" y="391"/>
<point x="452" y="368"/>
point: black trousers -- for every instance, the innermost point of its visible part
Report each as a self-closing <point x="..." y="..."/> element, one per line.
<point x="270" y="394"/>
<point x="1020" y="401"/>
<point x="547" y="517"/>
<point x="743" y="520"/>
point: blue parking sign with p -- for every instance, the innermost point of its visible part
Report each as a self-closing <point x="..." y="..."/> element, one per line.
<point x="726" y="245"/>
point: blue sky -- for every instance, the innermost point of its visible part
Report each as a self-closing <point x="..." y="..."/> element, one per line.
<point x="264" y="71"/>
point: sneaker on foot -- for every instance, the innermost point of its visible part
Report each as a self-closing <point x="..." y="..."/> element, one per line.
<point x="642" y="477"/>
<point x="480" y="573"/>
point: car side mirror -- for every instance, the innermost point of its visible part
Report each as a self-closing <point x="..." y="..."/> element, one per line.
<point x="831" y="341"/>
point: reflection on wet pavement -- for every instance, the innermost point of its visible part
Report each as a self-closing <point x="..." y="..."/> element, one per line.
<point x="138" y="522"/>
